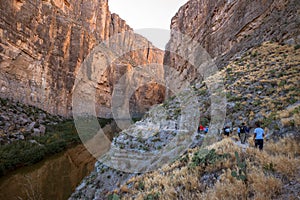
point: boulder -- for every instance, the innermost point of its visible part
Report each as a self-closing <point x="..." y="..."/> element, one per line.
<point x="31" y="126"/>
<point x="42" y="129"/>
<point x="36" y="132"/>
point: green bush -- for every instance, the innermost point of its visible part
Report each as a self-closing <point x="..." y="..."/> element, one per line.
<point x="32" y="155"/>
<point x="24" y="153"/>
<point x="206" y="157"/>
<point x="20" y="153"/>
<point x="57" y="138"/>
<point x="56" y="146"/>
<point x="297" y="47"/>
<point x="113" y="197"/>
<point x="154" y="196"/>
<point x="268" y="120"/>
<point x="204" y="121"/>
<point x="104" y="121"/>
<point x="141" y="185"/>
<point x="240" y="174"/>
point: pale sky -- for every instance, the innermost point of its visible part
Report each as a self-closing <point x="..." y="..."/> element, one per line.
<point x="148" y="16"/>
<point x="146" y="13"/>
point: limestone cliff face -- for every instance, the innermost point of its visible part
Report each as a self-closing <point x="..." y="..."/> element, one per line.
<point x="226" y="28"/>
<point x="44" y="42"/>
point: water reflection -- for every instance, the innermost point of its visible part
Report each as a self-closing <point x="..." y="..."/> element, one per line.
<point x="53" y="178"/>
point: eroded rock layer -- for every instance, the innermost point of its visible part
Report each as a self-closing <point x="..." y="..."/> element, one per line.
<point x="227" y="28"/>
<point x="44" y="42"/>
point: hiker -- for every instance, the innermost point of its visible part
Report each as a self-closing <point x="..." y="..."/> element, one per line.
<point x="242" y="131"/>
<point x="259" y="136"/>
<point x="226" y="130"/>
<point x="206" y="129"/>
<point x="200" y="128"/>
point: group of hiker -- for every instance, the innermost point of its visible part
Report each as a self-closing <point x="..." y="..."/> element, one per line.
<point x="243" y="132"/>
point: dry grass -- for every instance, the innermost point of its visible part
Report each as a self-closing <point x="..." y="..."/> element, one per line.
<point x="286" y="146"/>
<point x="227" y="188"/>
<point x="272" y="71"/>
<point x="269" y="80"/>
<point x="264" y="180"/>
<point x="263" y="186"/>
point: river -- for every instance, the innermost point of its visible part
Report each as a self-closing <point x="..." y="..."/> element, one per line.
<point x="55" y="177"/>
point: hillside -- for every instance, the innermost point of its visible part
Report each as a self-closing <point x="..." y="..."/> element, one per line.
<point x="17" y="121"/>
<point x="73" y="72"/>
<point x="208" y="174"/>
<point x="226" y="29"/>
<point x="263" y="84"/>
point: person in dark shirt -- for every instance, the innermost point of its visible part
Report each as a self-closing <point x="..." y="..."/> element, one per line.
<point x="242" y="131"/>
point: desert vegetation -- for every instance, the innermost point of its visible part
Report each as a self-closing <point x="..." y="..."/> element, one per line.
<point x="33" y="149"/>
<point x="262" y="85"/>
<point x="223" y="170"/>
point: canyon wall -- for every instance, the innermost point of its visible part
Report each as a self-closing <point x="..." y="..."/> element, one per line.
<point x="44" y="42"/>
<point x="227" y="28"/>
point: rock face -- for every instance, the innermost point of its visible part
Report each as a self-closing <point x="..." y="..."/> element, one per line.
<point x="226" y="28"/>
<point x="259" y="89"/>
<point x="44" y="42"/>
<point x="146" y="145"/>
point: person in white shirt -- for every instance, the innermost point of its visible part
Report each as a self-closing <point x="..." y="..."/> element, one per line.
<point x="259" y="134"/>
<point x="226" y="131"/>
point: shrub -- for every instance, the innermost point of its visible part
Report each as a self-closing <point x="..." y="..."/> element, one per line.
<point x="206" y="157"/>
<point x="141" y="185"/>
<point x="24" y="153"/>
<point x="56" y="146"/>
<point x="104" y="121"/>
<point x="113" y="197"/>
<point x="268" y="120"/>
<point x="269" y="167"/>
<point x="154" y="196"/>
<point x="297" y="47"/>
<point x="240" y="174"/>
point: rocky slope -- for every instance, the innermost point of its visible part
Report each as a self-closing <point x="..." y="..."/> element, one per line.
<point x="144" y="146"/>
<point x="226" y="28"/>
<point x="18" y="121"/>
<point x="256" y="91"/>
<point x="44" y="42"/>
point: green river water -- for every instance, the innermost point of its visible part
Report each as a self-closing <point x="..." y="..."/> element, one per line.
<point x="54" y="178"/>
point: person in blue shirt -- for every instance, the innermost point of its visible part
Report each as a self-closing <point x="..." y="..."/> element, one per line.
<point x="206" y="129"/>
<point x="259" y="136"/>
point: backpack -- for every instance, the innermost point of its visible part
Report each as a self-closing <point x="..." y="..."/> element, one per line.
<point x="243" y="129"/>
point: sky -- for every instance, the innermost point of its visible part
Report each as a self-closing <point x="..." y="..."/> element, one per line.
<point x="145" y="15"/>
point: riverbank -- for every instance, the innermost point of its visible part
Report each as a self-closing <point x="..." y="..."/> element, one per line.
<point x="33" y="149"/>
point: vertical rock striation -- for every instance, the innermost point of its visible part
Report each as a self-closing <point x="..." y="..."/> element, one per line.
<point x="226" y="28"/>
<point x="44" y="42"/>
